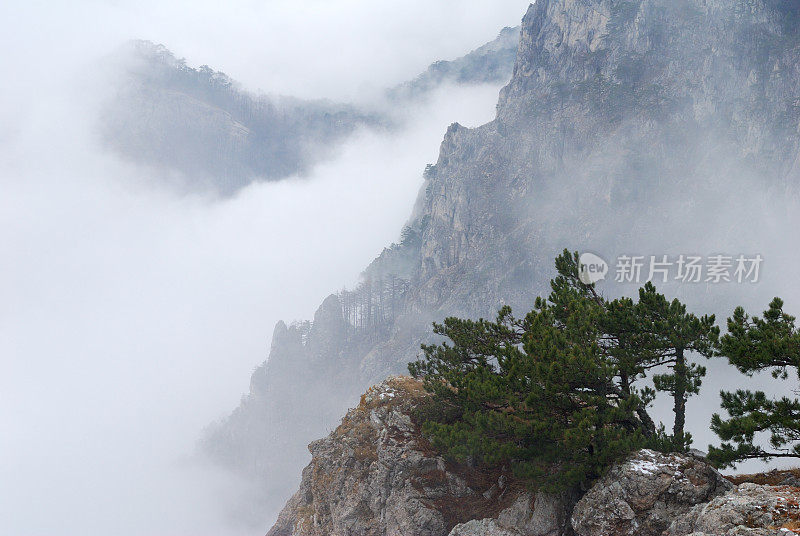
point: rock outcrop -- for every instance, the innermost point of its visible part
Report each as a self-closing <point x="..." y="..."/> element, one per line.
<point x="645" y="494"/>
<point x="375" y="475"/>
<point x="529" y="515"/>
<point x="749" y="510"/>
<point x="653" y="494"/>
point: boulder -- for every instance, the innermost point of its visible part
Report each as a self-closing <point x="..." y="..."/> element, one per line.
<point x="643" y="495"/>
<point x="749" y="510"/>
<point x="529" y="515"/>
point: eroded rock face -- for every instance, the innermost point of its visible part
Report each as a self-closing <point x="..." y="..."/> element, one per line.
<point x="645" y="494"/>
<point x="376" y="475"/>
<point x="749" y="510"/>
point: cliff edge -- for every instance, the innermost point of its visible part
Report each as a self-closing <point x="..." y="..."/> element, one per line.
<point x="376" y="475"/>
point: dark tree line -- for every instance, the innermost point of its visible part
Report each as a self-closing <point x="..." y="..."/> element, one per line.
<point x="375" y="302"/>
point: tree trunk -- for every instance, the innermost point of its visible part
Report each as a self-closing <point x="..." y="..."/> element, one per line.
<point x="679" y="397"/>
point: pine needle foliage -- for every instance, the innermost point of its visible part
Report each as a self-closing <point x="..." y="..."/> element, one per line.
<point x="556" y="395"/>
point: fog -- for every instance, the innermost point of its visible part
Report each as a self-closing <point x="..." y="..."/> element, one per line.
<point x="132" y="315"/>
<point x="735" y="211"/>
<point x="334" y="49"/>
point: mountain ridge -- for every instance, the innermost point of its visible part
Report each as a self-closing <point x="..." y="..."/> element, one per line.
<point x="201" y="123"/>
<point x="602" y="141"/>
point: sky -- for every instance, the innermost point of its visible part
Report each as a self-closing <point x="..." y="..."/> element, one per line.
<point x="131" y="314"/>
<point x="314" y="48"/>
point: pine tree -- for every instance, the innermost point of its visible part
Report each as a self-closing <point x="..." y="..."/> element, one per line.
<point x="752" y="345"/>
<point x="558" y="395"/>
<point x="542" y="394"/>
<point x="650" y="334"/>
<point x="623" y="339"/>
<point x="670" y="334"/>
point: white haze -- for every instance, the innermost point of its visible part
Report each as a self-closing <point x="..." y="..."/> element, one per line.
<point x="131" y="316"/>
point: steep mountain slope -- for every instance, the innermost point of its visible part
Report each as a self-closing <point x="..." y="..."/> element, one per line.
<point x="490" y="63"/>
<point x="648" y="126"/>
<point x="200" y="123"/>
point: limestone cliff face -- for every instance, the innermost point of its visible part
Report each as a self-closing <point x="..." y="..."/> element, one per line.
<point x="265" y="437"/>
<point x="641" y="126"/>
<point x="616" y="110"/>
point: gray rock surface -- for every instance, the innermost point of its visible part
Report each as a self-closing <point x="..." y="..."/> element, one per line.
<point x="643" y="495"/>
<point x="529" y="515"/>
<point x="749" y="510"/>
<point x="376" y="475"/>
<point x="483" y="527"/>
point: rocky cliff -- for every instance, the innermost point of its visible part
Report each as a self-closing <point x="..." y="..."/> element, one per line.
<point x="628" y="127"/>
<point x="489" y="63"/>
<point x="376" y="475"/>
